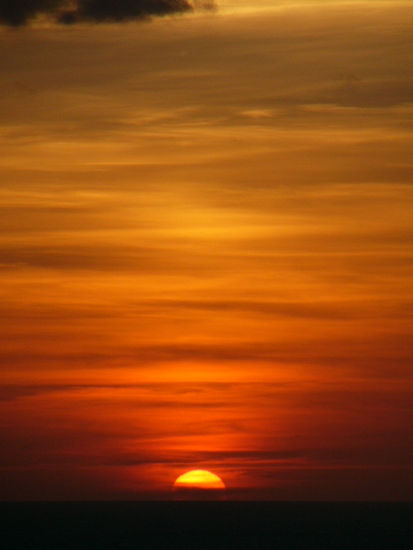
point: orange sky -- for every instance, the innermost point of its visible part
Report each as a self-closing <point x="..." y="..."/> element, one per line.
<point x="206" y="253"/>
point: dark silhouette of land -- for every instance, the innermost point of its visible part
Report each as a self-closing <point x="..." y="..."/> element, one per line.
<point x="200" y="525"/>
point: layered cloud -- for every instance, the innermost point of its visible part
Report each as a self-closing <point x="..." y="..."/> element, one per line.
<point x="205" y="251"/>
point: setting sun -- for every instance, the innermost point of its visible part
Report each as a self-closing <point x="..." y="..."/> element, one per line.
<point x="199" y="479"/>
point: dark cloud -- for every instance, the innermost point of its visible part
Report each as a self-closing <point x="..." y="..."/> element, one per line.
<point x="19" y="12"/>
<point x="121" y="10"/>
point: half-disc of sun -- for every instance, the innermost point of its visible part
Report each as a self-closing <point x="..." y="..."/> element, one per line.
<point x="199" y="479"/>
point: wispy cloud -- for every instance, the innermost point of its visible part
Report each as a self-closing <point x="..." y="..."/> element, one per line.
<point x="205" y="247"/>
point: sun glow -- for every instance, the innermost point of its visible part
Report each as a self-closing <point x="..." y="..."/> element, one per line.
<point x="199" y="479"/>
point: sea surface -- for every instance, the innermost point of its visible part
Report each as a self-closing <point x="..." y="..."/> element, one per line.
<point x="199" y="525"/>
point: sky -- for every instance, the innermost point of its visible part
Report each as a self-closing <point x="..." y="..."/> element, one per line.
<point x="206" y="249"/>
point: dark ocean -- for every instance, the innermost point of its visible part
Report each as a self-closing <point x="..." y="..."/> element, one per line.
<point x="215" y="525"/>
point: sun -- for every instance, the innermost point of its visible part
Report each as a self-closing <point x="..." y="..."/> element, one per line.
<point x="199" y="480"/>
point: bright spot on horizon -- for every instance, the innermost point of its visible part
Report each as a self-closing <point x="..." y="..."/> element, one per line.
<point x="199" y="479"/>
